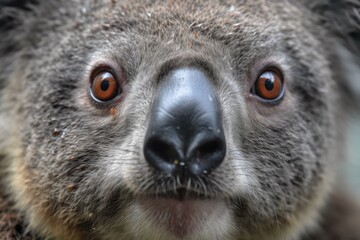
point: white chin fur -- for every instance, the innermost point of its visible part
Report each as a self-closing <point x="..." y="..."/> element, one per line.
<point x="171" y="219"/>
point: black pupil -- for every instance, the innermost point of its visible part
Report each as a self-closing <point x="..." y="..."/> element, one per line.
<point x="105" y="85"/>
<point x="269" y="84"/>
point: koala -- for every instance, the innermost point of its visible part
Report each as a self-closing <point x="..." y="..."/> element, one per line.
<point x="177" y="119"/>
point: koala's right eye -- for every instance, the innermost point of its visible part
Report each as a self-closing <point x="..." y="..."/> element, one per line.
<point x="104" y="86"/>
<point x="269" y="86"/>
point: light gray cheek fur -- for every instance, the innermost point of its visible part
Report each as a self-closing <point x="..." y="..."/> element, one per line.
<point x="236" y="118"/>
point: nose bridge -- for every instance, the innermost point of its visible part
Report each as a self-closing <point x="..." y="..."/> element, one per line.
<point x="187" y="82"/>
<point x="186" y="96"/>
<point x="185" y="127"/>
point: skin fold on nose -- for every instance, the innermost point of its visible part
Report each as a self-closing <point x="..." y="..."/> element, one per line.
<point x="185" y="135"/>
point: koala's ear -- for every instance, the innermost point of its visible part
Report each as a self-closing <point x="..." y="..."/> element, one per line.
<point x="16" y="3"/>
<point x="344" y="15"/>
<point x="8" y="10"/>
<point x="12" y="16"/>
<point x="342" y="18"/>
<point x="349" y="63"/>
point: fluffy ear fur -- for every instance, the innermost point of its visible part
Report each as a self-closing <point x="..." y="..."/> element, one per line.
<point x="344" y="15"/>
<point x="7" y="12"/>
<point x="12" y="14"/>
<point x="342" y="18"/>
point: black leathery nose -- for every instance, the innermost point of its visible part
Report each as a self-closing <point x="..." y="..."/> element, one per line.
<point x="185" y="135"/>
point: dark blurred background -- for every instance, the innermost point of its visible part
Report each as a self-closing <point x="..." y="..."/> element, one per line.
<point x="352" y="169"/>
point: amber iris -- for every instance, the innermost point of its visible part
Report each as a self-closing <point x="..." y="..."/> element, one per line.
<point x="269" y="86"/>
<point x="105" y="87"/>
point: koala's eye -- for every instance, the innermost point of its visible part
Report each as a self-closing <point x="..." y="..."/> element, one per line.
<point x="269" y="86"/>
<point x="104" y="86"/>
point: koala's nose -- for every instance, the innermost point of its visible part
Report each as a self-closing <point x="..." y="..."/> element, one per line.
<point x="185" y="136"/>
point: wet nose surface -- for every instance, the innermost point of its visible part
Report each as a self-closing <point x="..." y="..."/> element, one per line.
<point x="185" y="136"/>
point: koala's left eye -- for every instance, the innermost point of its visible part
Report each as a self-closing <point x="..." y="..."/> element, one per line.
<point x="269" y="86"/>
<point x="104" y="86"/>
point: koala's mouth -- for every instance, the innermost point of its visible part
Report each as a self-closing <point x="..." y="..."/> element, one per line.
<point x="182" y="212"/>
<point x="181" y="194"/>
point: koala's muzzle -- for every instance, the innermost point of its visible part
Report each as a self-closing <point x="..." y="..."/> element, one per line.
<point x="185" y="135"/>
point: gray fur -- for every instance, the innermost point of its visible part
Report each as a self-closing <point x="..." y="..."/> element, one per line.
<point x="82" y="180"/>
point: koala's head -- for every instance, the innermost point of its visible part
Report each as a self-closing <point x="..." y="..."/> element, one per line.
<point x="171" y="119"/>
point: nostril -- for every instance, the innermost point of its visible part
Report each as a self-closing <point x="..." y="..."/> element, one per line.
<point x="162" y="150"/>
<point x="208" y="149"/>
<point x="207" y="154"/>
<point x="161" y="154"/>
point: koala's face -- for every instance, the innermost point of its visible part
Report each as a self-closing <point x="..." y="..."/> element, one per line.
<point x="171" y="120"/>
